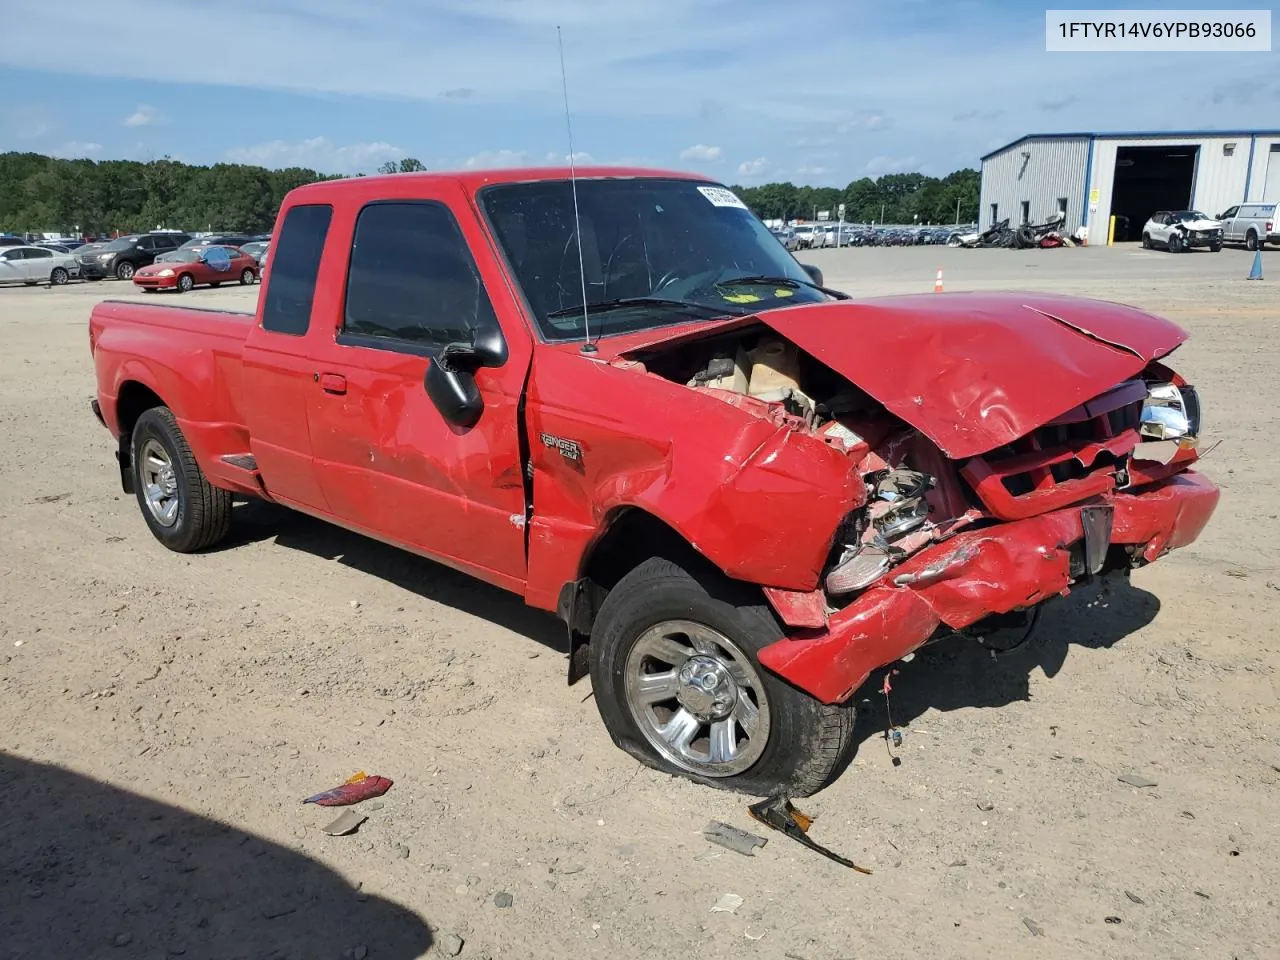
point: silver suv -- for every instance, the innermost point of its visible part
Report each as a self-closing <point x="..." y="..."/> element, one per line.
<point x="1252" y="224"/>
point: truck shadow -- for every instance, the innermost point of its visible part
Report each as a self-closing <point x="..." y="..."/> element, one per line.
<point x="92" y="870"/>
<point x="256" y="521"/>
<point x="958" y="673"/>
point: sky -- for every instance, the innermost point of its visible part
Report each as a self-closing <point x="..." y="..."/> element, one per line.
<point x="747" y="91"/>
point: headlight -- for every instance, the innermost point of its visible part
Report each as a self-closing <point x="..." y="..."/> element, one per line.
<point x="165" y="273"/>
<point x="1170" y="412"/>
<point x="105" y="256"/>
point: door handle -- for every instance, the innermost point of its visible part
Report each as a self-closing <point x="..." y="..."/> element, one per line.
<point x="333" y="383"/>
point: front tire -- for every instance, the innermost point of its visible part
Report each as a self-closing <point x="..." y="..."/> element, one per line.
<point x="184" y="512"/>
<point x="1215" y="248"/>
<point x="59" y="277"/>
<point x="1175" y="243"/>
<point x="185" y="283"/>
<point x="1146" y="241"/>
<point x="678" y="685"/>
<point x="125" y="271"/>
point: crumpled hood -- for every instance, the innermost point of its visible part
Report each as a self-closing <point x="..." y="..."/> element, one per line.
<point x="974" y="371"/>
<point x="1200" y="224"/>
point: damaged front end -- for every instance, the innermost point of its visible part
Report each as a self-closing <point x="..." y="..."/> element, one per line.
<point x="958" y="539"/>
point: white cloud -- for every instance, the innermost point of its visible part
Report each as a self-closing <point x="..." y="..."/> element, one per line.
<point x="806" y="171"/>
<point x="559" y="159"/>
<point x="863" y="120"/>
<point x="753" y="168"/>
<point x="318" y="153"/>
<point x="76" y="150"/>
<point x="701" y="152"/>
<point x="877" y="166"/>
<point x="493" y="159"/>
<point x="145" y="116"/>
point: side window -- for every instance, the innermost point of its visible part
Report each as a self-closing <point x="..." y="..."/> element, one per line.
<point x="11" y="255"/>
<point x="1230" y="212"/>
<point x="295" y="262"/>
<point x="147" y="245"/>
<point x="412" y="278"/>
<point x="34" y="254"/>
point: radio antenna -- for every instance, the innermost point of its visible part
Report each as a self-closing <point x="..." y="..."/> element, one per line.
<point x="587" y="346"/>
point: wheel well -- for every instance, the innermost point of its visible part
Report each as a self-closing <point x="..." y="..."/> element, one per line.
<point x="134" y="400"/>
<point x="631" y="536"/>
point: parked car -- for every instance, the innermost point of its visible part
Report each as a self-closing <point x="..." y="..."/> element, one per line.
<point x="11" y="241"/>
<point x="1180" y="230"/>
<point x="219" y="239"/>
<point x="1252" y="224"/>
<point x="32" y="265"/>
<point x="256" y="249"/>
<point x="783" y="496"/>
<point x="123" y="257"/>
<point x="212" y="266"/>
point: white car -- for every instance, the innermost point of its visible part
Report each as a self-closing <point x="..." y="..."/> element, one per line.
<point x="32" y="265"/>
<point x="1179" y="230"/>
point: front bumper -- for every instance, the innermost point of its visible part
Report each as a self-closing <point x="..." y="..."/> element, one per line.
<point x="1202" y="239"/>
<point x="155" y="283"/>
<point x="976" y="574"/>
<point x="96" y="269"/>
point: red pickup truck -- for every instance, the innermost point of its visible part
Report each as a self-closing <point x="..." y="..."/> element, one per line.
<point x="619" y="396"/>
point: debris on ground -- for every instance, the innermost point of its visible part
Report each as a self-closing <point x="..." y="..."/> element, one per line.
<point x="1135" y="898"/>
<point x="503" y="900"/>
<point x="731" y="838"/>
<point x="359" y="787"/>
<point x="779" y="814"/>
<point x="729" y="903"/>
<point x="1114" y="920"/>
<point x="452" y="945"/>
<point x="1034" y="928"/>
<point x="1133" y="780"/>
<point x="346" y="823"/>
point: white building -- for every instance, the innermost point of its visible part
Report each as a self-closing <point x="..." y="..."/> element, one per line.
<point x="1093" y="177"/>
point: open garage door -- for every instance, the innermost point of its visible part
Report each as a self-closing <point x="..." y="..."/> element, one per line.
<point x="1149" y="179"/>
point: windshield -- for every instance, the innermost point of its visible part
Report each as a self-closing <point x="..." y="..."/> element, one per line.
<point x="124" y="243"/>
<point x="1184" y="216"/>
<point x="180" y="256"/>
<point x="671" y="246"/>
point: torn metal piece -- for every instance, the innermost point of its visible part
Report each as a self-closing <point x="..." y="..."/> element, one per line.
<point x="347" y="822"/>
<point x="1133" y="780"/>
<point x="731" y="838"/>
<point x="357" y="788"/>
<point x="779" y="814"/>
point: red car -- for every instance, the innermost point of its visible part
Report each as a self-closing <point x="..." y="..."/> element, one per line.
<point x="623" y="399"/>
<point x="192" y="266"/>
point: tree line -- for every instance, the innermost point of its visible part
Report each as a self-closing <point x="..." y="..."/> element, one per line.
<point x="893" y="198"/>
<point x="39" y="193"/>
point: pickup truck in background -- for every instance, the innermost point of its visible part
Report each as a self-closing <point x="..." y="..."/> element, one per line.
<point x="621" y="398"/>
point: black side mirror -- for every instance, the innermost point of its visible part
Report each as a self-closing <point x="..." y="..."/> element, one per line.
<point x="450" y="379"/>
<point x="814" y="274"/>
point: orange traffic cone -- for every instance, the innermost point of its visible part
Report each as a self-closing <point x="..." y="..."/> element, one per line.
<point x="937" y="284"/>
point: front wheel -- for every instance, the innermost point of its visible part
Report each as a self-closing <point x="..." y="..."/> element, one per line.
<point x="1215" y="248"/>
<point x="183" y="510"/>
<point x="125" y="271"/>
<point x="185" y="283"/>
<point x="59" y="277"/>
<point x="1146" y="241"/>
<point x="1175" y="243"/>
<point x="678" y="686"/>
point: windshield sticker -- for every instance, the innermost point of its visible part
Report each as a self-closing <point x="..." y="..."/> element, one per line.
<point x="720" y="197"/>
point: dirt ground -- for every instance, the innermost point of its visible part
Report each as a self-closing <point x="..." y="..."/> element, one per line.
<point x="162" y="716"/>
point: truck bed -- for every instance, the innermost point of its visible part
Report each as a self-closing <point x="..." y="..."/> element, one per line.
<point x="188" y="357"/>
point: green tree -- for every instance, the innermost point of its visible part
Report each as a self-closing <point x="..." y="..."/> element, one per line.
<point x="407" y="165"/>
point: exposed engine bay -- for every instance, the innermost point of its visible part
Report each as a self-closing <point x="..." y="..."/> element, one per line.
<point x="913" y="497"/>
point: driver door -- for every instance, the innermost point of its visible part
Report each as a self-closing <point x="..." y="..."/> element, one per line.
<point x="387" y="461"/>
<point x="1230" y="228"/>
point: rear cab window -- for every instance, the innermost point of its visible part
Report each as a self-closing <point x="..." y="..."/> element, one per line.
<point x="295" y="264"/>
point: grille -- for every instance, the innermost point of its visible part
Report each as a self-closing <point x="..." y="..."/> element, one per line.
<point x="1070" y="459"/>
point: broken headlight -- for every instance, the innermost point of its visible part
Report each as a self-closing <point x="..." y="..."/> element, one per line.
<point x="1170" y="412"/>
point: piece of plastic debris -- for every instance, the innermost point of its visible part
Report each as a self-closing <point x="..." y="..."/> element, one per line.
<point x="1135" y="898"/>
<point x="347" y="822"/>
<point x="1034" y="928"/>
<point x="1114" y="920"/>
<point x="729" y="903"/>
<point x="731" y="838"/>
<point x="1133" y="780"/>
<point x="353" y="791"/>
<point x="754" y="934"/>
<point x="779" y="814"/>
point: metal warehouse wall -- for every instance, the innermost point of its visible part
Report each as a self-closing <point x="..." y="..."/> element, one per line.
<point x="1053" y="168"/>
<point x="1259" y="177"/>
<point x="1219" y="179"/>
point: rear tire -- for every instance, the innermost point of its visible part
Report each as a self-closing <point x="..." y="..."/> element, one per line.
<point x="773" y="740"/>
<point x="247" y="277"/>
<point x="1251" y="241"/>
<point x="184" y="512"/>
